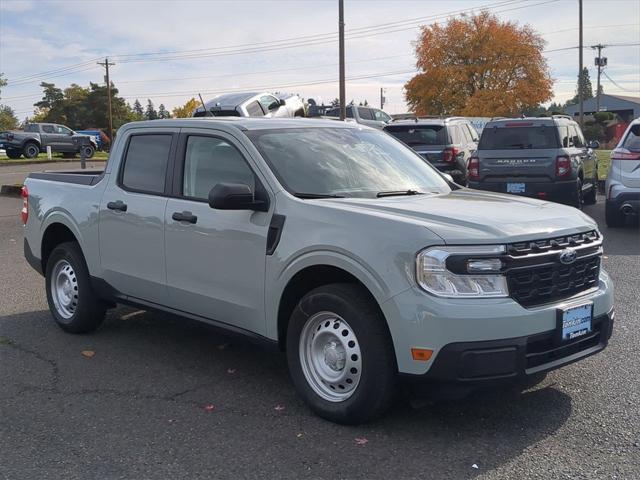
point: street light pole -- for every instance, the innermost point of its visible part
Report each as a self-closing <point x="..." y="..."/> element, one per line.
<point x="343" y="100"/>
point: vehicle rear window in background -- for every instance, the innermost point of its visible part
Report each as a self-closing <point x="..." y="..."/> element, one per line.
<point x="505" y="138"/>
<point x="415" y="135"/>
<point x="145" y="165"/>
<point x="632" y="142"/>
<point x="255" y="110"/>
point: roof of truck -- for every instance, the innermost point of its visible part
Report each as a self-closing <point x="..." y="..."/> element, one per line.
<point x="530" y="121"/>
<point x="244" y="123"/>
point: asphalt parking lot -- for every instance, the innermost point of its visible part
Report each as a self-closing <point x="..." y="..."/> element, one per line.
<point x="164" y="398"/>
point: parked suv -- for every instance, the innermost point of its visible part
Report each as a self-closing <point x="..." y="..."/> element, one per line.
<point x="330" y="240"/>
<point x="372" y="117"/>
<point x="623" y="180"/>
<point x="546" y="158"/>
<point x="446" y="143"/>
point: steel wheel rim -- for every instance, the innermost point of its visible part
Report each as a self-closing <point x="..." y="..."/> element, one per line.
<point x="330" y="356"/>
<point x="64" y="289"/>
<point x="31" y="151"/>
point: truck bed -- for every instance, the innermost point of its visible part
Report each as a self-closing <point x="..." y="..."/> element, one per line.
<point x="80" y="177"/>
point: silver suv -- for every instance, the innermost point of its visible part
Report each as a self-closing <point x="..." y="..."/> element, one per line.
<point x="446" y="143"/>
<point x="546" y="158"/>
<point x="623" y="180"/>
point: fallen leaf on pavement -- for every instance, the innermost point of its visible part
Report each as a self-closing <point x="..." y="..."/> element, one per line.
<point x="209" y="408"/>
<point x="88" y="353"/>
<point x="361" y="441"/>
<point x="278" y="408"/>
<point x="231" y="371"/>
<point x="299" y="435"/>
<point x="474" y="466"/>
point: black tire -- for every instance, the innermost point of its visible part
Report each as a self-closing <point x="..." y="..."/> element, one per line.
<point x="299" y="113"/>
<point x="31" y="150"/>
<point x="577" y="199"/>
<point x="13" y="154"/>
<point x="592" y="197"/>
<point x="375" y="388"/>
<point x="87" y="309"/>
<point x="613" y="216"/>
<point x="88" y="151"/>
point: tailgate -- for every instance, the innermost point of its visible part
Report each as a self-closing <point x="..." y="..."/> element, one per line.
<point x="517" y="165"/>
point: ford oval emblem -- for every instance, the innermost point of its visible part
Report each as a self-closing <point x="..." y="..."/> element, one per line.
<point x="568" y="256"/>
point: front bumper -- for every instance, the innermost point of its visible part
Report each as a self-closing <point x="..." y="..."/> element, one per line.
<point x="564" y="191"/>
<point x="444" y="325"/>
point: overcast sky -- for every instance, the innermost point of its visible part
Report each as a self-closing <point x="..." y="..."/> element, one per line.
<point x="256" y="45"/>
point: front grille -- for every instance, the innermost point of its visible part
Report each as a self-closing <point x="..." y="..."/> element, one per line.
<point x="536" y="276"/>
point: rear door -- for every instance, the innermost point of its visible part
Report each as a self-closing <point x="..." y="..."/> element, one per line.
<point x="215" y="259"/>
<point x="518" y="152"/>
<point x="132" y="250"/>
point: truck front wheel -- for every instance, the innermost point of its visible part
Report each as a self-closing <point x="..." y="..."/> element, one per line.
<point x="31" y="150"/>
<point x="340" y="354"/>
<point x="74" y="305"/>
<point x="88" y="151"/>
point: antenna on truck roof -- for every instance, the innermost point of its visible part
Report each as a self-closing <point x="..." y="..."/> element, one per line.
<point x="206" y="112"/>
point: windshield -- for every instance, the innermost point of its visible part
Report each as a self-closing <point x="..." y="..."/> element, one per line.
<point x="416" y="135"/>
<point x="498" y="138"/>
<point x="344" y="162"/>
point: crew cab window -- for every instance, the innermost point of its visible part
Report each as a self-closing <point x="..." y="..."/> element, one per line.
<point x="48" y="129"/>
<point x="255" y="110"/>
<point x="31" y="128"/>
<point x="145" y="164"/>
<point x="209" y="161"/>
<point x="365" y="113"/>
<point x="269" y="102"/>
<point x="63" y="130"/>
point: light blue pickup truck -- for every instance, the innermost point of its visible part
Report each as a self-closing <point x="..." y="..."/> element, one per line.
<point x="332" y="241"/>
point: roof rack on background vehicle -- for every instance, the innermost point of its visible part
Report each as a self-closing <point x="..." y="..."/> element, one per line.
<point x="568" y="117"/>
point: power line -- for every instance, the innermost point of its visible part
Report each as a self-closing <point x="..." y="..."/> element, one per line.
<point x="616" y="83"/>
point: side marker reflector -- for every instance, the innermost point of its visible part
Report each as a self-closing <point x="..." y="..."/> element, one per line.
<point x="421" y="354"/>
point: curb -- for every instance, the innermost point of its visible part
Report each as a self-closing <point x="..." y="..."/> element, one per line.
<point x="11" y="190"/>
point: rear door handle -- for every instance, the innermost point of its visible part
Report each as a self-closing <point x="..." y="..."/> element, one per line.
<point x="119" y="205"/>
<point x="184" y="217"/>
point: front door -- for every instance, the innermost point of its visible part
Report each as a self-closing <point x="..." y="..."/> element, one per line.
<point x="215" y="258"/>
<point x="132" y="218"/>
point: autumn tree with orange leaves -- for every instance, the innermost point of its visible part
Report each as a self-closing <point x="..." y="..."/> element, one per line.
<point x="478" y="66"/>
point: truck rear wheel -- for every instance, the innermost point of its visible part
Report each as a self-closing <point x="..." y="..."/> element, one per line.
<point x="31" y="150"/>
<point x="340" y="354"/>
<point x="13" y="154"/>
<point x="74" y="305"/>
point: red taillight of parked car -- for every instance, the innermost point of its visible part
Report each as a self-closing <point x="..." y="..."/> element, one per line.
<point x="473" y="169"/>
<point x="449" y="154"/>
<point x="24" y="213"/>
<point x="624" y="155"/>
<point x="563" y="166"/>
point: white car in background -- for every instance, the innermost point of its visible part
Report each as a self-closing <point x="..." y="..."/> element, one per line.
<point x="252" y="104"/>
<point x="623" y="179"/>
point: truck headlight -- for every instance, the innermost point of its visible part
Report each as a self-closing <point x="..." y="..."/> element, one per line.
<point x="481" y="276"/>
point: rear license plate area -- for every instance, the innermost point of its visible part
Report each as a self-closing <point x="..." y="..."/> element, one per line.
<point x="516" y="187"/>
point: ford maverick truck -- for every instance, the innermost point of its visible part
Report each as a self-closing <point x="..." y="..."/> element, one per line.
<point x="332" y="241"/>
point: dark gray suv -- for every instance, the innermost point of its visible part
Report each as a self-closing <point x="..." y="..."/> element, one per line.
<point x="546" y="158"/>
<point x="446" y="143"/>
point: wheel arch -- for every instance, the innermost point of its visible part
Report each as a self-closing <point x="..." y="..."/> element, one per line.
<point x="54" y="234"/>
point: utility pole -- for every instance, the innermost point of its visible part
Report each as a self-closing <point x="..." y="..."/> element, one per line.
<point x="343" y="99"/>
<point x="382" y="99"/>
<point x="580" y="92"/>
<point x="601" y="62"/>
<point x="106" y="65"/>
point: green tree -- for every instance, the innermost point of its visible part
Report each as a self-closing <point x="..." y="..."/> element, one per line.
<point x="150" y="113"/>
<point x="163" y="112"/>
<point x="138" y="110"/>
<point x="8" y="119"/>
<point x="51" y="104"/>
<point x="584" y="84"/>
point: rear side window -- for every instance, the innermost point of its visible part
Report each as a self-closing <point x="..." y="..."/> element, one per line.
<point x="576" y="136"/>
<point x="145" y="165"/>
<point x="419" y="134"/>
<point x="513" y="138"/>
<point x="31" y="128"/>
<point x="47" y="128"/>
<point x="632" y="141"/>
<point x="209" y="161"/>
<point x="255" y="110"/>
<point x="365" y="113"/>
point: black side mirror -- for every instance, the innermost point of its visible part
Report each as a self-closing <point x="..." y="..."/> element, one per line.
<point x="274" y="106"/>
<point x="282" y="103"/>
<point x="236" y="196"/>
<point x="593" y="144"/>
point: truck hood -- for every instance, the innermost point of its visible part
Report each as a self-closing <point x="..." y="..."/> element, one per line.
<point x="469" y="216"/>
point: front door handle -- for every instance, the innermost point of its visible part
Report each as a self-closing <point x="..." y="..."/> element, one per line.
<point x="184" y="217"/>
<point x="119" y="205"/>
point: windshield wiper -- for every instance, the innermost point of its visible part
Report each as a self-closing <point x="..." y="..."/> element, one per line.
<point x="316" y="195"/>
<point x="397" y="193"/>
